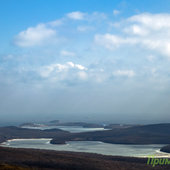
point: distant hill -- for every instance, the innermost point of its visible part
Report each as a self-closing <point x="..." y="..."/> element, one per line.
<point x="58" y="123"/>
<point x="166" y="149"/>
<point x="145" y="134"/>
<point x="54" y="121"/>
<point x="82" y="124"/>
<point x="12" y="132"/>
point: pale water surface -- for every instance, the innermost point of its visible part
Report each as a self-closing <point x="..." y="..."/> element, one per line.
<point x="89" y="146"/>
<point x="72" y="129"/>
<point x="86" y="146"/>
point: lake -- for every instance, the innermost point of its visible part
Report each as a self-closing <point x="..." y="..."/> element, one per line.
<point x="89" y="146"/>
<point x="86" y="146"/>
<point x="72" y="129"/>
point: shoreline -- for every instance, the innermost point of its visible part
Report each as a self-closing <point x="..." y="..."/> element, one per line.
<point x="28" y="139"/>
<point x="15" y="139"/>
<point x="159" y="154"/>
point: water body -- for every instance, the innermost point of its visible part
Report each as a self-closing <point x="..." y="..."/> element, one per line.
<point x="89" y="146"/>
<point x="72" y="129"/>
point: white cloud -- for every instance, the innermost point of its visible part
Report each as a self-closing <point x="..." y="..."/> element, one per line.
<point x="150" y="31"/>
<point x="80" y="67"/>
<point x="136" y="30"/>
<point x="53" y="69"/>
<point x="127" y="73"/>
<point x="77" y="15"/>
<point x="46" y="33"/>
<point x="155" y="29"/>
<point x="55" y="23"/>
<point x="112" y="41"/>
<point x="34" y="36"/>
<point x="95" y="16"/>
<point x="116" y="12"/>
<point x="67" y="53"/>
<point x="152" y="21"/>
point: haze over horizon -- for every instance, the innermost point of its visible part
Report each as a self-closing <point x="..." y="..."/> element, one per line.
<point x="85" y="60"/>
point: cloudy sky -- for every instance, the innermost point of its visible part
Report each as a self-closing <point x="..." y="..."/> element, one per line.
<point x="85" y="60"/>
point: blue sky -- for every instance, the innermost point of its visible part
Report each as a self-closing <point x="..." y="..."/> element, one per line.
<point x="85" y="60"/>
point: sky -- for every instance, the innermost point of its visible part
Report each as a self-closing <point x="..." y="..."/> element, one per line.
<point x="85" y="60"/>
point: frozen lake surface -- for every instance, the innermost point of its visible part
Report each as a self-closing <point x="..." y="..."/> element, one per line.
<point x="72" y="129"/>
<point x="89" y="146"/>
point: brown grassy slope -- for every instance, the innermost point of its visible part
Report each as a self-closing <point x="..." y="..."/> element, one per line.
<point x="44" y="159"/>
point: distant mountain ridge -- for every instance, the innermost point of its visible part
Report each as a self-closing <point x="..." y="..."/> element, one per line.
<point x="144" y="134"/>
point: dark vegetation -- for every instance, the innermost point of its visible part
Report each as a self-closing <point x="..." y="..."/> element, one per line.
<point x="166" y="149"/>
<point x="12" y="132"/>
<point x="119" y="126"/>
<point x="146" y="134"/>
<point x="19" y="159"/>
<point x="83" y="124"/>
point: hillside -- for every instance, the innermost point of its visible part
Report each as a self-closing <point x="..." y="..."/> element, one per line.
<point x="12" y="132"/>
<point x="53" y="160"/>
<point x="146" y="134"/>
<point x="166" y="149"/>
